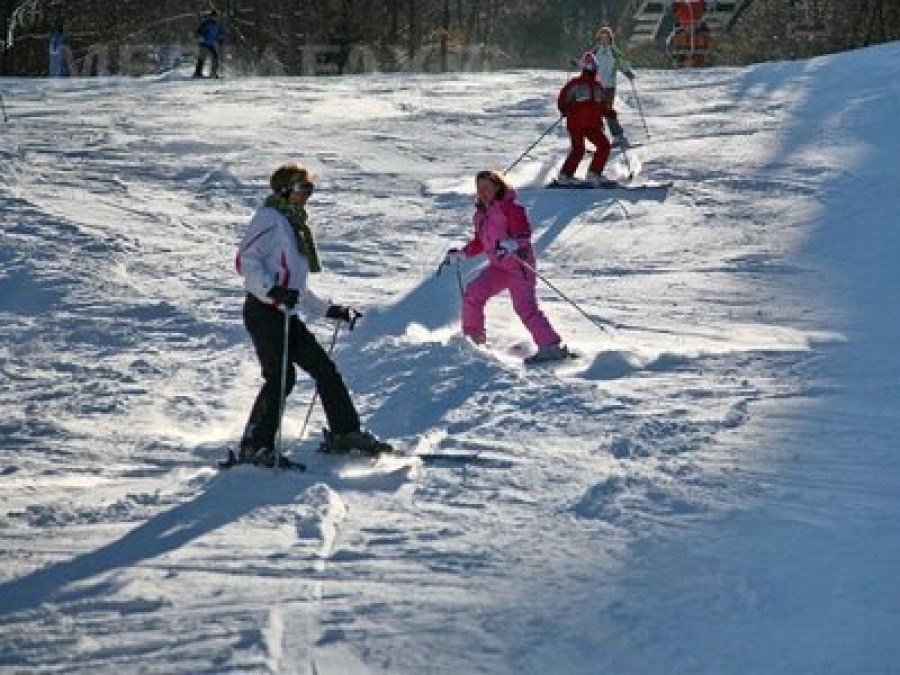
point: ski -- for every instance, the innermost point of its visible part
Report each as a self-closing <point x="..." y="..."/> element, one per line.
<point x="353" y="454"/>
<point x="610" y="185"/>
<point x="355" y="466"/>
<point x="321" y="461"/>
<point x="352" y="458"/>
<point x="438" y="459"/>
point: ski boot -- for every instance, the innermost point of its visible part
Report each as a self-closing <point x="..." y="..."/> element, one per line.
<point x="547" y="353"/>
<point x="263" y="457"/>
<point x="271" y="459"/>
<point x="566" y="179"/>
<point x="598" y="180"/>
<point x="355" y="443"/>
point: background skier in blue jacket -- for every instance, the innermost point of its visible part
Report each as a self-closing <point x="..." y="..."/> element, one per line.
<point x="57" y="51"/>
<point x="209" y="34"/>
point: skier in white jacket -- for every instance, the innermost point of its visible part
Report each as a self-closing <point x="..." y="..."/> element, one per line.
<point x="276" y="256"/>
<point x="609" y="63"/>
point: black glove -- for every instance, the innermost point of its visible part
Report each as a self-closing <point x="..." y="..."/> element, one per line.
<point x="343" y="313"/>
<point x="285" y="296"/>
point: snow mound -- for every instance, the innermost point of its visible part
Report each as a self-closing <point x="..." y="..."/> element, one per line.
<point x="613" y="365"/>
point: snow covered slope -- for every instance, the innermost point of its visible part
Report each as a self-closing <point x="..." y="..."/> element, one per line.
<point x="710" y="489"/>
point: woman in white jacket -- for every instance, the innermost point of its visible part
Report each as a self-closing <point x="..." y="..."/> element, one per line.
<point x="275" y="258"/>
<point x="609" y="63"/>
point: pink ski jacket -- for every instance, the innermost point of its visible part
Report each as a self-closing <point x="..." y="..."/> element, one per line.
<point x="504" y="219"/>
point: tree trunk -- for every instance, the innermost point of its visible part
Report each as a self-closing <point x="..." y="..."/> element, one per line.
<point x="445" y="35"/>
<point x="414" y="30"/>
<point x="394" y="21"/>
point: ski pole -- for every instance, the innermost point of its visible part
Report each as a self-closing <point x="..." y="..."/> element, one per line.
<point x="531" y="147"/>
<point x="562" y="295"/>
<point x="627" y="162"/>
<point x="279" y="441"/>
<point x="640" y="108"/>
<point x="459" y="281"/>
<point x="315" y="396"/>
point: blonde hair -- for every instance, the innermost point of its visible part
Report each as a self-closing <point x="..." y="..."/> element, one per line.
<point x="606" y="30"/>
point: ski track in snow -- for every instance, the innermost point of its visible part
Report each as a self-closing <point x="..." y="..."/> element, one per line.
<point x="127" y="372"/>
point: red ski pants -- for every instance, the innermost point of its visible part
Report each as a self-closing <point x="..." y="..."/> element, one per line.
<point x="577" y="137"/>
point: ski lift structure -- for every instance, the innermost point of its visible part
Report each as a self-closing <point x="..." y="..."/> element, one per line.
<point x="689" y="28"/>
<point x="690" y="43"/>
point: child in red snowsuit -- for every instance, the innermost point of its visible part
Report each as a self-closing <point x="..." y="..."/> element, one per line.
<point x="582" y="103"/>
<point x="503" y="234"/>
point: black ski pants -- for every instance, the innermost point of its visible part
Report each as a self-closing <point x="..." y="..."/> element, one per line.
<point x="266" y="327"/>
<point x="204" y="50"/>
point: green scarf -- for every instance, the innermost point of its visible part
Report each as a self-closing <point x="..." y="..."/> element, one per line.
<point x="296" y="216"/>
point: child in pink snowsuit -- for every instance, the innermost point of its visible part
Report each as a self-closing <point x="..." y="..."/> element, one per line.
<point x="502" y="233"/>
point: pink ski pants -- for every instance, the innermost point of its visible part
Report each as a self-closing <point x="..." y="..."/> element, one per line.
<point x="521" y="286"/>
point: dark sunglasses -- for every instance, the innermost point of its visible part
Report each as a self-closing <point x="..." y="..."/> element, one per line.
<point x="305" y="187"/>
<point x="299" y="187"/>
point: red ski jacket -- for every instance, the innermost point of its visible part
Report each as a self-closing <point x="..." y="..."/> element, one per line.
<point x="580" y="102"/>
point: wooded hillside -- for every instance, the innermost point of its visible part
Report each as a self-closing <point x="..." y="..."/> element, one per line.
<point x="294" y="37"/>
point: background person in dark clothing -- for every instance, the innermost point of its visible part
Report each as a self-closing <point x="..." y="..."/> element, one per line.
<point x="209" y="34"/>
<point x="57" y="50"/>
